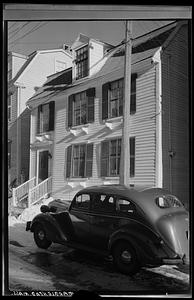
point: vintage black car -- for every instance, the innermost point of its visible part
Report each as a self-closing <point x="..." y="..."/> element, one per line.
<point x="135" y="228"/>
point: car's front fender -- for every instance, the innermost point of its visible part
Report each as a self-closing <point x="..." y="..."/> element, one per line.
<point x="53" y="230"/>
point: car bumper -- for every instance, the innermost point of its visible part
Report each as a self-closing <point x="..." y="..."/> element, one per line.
<point x="28" y="225"/>
<point x="169" y="261"/>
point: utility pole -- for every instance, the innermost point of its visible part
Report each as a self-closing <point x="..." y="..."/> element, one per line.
<point x="125" y="155"/>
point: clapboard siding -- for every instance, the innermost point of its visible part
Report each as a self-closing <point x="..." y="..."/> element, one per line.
<point x="175" y="107"/>
<point x="142" y="125"/>
<point x="144" y="128"/>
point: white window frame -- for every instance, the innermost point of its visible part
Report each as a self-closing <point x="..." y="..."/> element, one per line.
<point x="119" y="90"/>
<point x="57" y="65"/>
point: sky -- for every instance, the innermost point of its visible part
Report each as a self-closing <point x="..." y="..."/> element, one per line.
<point x="28" y="36"/>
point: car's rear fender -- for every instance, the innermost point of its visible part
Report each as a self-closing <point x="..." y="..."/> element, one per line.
<point x="174" y="229"/>
<point x="148" y="247"/>
<point x="53" y="230"/>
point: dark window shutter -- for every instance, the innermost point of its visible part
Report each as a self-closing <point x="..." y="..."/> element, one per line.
<point x="51" y="115"/>
<point x="68" y="162"/>
<point x="104" y="158"/>
<point x="90" y="93"/>
<point x="105" y="89"/>
<point x="132" y="156"/>
<point x="89" y="160"/>
<point x="38" y="121"/>
<point x="70" y="110"/>
<point x="133" y="94"/>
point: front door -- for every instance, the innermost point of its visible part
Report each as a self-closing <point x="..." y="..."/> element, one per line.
<point x="43" y="166"/>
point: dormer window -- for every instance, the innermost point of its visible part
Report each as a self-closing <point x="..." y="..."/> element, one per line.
<point x="81" y="62"/>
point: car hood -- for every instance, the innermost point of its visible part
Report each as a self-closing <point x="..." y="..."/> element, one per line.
<point x="174" y="230"/>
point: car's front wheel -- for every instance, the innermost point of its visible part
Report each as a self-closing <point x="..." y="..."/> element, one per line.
<point x="40" y="237"/>
<point x="125" y="258"/>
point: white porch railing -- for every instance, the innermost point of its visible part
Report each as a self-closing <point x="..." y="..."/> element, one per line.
<point x="20" y="192"/>
<point x="39" y="191"/>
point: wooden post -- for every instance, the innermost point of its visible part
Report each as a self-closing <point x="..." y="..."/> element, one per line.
<point x="125" y="155"/>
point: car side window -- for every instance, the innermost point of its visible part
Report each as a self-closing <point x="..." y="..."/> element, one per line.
<point x="125" y="206"/>
<point x="103" y="203"/>
<point x="81" y="201"/>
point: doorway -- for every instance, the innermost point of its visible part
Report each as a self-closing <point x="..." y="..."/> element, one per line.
<point x="43" y="165"/>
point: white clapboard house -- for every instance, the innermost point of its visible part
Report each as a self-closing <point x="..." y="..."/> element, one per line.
<point x="79" y="143"/>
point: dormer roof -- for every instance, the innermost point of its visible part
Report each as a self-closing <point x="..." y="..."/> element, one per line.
<point x="82" y="39"/>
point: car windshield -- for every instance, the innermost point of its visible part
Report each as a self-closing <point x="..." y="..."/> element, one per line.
<point x="167" y="201"/>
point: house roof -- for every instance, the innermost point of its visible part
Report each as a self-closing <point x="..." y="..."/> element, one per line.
<point x="29" y="60"/>
<point x="24" y="66"/>
<point x="143" y="50"/>
<point x="62" y="77"/>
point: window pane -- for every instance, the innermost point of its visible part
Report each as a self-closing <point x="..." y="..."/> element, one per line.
<point x="114" y="157"/>
<point x="116" y="98"/>
<point x="125" y="206"/>
<point x="82" y="201"/>
<point x="79" y="153"/>
<point x="75" y="161"/>
<point x="82" y="62"/>
<point x="80" y="109"/>
<point x="113" y="166"/>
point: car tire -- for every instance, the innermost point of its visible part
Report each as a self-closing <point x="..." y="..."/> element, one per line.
<point x="40" y="237"/>
<point x="125" y="258"/>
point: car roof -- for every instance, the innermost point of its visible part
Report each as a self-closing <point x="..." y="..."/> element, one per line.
<point x="143" y="197"/>
<point x="136" y="194"/>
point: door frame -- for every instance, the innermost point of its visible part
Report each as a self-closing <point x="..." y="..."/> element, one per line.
<point x="38" y="161"/>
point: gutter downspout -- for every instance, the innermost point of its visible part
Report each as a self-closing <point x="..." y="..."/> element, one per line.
<point x="159" y="164"/>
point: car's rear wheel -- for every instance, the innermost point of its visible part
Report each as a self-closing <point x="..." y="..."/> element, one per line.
<point x="40" y="237"/>
<point x="125" y="258"/>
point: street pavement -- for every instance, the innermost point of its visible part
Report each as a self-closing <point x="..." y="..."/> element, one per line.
<point x="62" y="269"/>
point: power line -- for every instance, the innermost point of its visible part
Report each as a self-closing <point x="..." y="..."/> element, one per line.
<point x="12" y="25"/>
<point x="36" y="27"/>
<point x="10" y="34"/>
<point x="33" y="28"/>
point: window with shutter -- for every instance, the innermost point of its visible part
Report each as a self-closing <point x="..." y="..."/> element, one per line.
<point x="110" y="157"/>
<point x="113" y="95"/>
<point x="116" y="99"/>
<point x="46" y="114"/>
<point x="79" y="160"/>
<point x="81" y="108"/>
